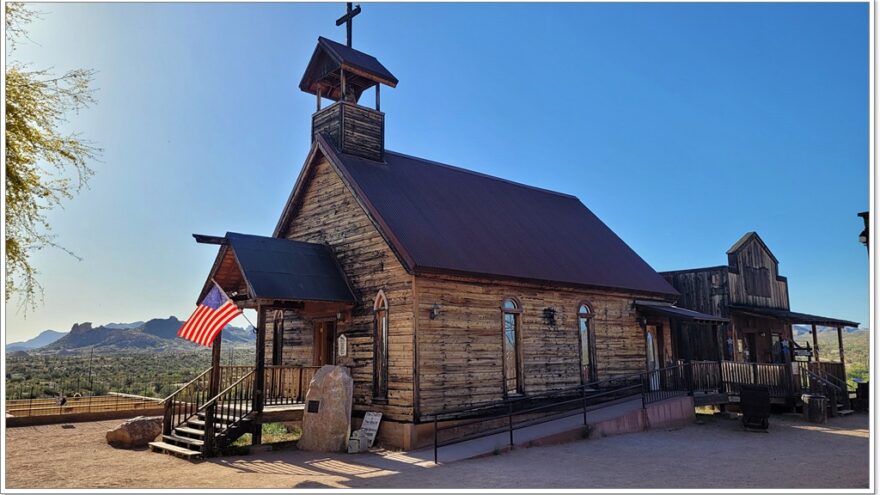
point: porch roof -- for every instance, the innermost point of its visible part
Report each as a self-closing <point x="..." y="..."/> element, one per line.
<point x="666" y="309"/>
<point x="277" y="269"/>
<point x="790" y="316"/>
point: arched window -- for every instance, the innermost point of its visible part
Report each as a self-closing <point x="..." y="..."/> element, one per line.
<point x="510" y="316"/>
<point x="380" y="346"/>
<point x="587" y="344"/>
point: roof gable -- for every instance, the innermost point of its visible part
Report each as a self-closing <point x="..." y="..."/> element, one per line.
<point x="329" y="56"/>
<point x="439" y="218"/>
<point x="279" y="269"/>
<point x="744" y="240"/>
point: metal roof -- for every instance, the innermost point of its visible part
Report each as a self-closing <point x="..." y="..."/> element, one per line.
<point x="443" y="218"/>
<point x="671" y="311"/>
<point x="289" y="270"/>
<point x="329" y="56"/>
<point x="791" y="316"/>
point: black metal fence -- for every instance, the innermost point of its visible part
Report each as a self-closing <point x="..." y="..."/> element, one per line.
<point x="682" y="379"/>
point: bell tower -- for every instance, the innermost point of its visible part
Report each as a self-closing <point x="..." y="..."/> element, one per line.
<point x="340" y="73"/>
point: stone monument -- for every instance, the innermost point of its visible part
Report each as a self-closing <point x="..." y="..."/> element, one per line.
<point x="327" y="414"/>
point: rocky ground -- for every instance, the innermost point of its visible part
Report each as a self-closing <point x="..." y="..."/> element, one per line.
<point x="714" y="454"/>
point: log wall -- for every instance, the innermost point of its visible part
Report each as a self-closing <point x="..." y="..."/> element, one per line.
<point x="459" y="353"/>
<point x="329" y="213"/>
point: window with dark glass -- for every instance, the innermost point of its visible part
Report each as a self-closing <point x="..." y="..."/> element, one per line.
<point x="587" y="350"/>
<point x="380" y="347"/>
<point x="510" y="312"/>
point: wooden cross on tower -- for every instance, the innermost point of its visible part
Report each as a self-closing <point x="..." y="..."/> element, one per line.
<point x="347" y="18"/>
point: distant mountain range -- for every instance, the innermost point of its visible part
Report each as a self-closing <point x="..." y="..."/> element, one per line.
<point x="800" y="330"/>
<point x="45" y="338"/>
<point x="156" y="335"/>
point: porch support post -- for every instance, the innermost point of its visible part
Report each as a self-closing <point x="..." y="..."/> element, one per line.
<point x="259" y="375"/>
<point x="840" y="343"/>
<point x="815" y="345"/>
<point x="214" y="381"/>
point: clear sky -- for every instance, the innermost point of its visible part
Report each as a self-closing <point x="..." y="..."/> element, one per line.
<point x="682" y="126"/>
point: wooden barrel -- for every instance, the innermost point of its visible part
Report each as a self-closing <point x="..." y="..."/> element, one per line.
<point x="815" y="408"/>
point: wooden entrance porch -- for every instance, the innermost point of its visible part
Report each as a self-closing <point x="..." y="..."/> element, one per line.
<point x="274" y="277"/>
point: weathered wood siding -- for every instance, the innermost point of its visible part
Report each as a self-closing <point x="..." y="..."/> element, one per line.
<point x="753" y="260"/>
<point x="298" y="336"/>
<point x="704" y="290"/>
<point x="352" y="128"/>
<point x="459" y="353"/>
<point x="330" y="214"/>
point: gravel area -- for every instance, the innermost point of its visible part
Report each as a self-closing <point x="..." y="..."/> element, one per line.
<point x="715" y="453"/>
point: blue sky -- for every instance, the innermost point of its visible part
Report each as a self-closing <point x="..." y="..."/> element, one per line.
<point x="682" y="126"/>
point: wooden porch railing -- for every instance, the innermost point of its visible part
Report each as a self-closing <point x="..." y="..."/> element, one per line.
<point x="288" y="384"/>
<point x="777" y="377"/>
<point x="284" y="385"/>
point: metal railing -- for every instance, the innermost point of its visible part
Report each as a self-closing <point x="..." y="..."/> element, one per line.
<point x="685" y="378"/>
<point x="521" y="412"/>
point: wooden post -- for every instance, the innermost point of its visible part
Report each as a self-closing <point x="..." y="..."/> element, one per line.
<point x="318" y="95"/>
<point x="840" y="344"/>
<point x="342" y="85"/>
<point x="377" y="98"/>
<point x="259" y="375"/>
<point x="213" y="390"/>
<point x="214" y="383"/>
<point x="815" y="345"/>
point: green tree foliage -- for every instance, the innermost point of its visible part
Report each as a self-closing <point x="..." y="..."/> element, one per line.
<point x="44" y="166"/>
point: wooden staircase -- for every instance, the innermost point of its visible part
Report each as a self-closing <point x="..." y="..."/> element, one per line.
<point x="834" y="389"/>
<point x="196" y="426"/>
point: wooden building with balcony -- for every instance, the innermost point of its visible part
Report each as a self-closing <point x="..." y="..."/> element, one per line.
<point x="753" y="296"/>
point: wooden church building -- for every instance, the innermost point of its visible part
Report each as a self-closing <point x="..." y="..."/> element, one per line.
<point x="437" y="286"/>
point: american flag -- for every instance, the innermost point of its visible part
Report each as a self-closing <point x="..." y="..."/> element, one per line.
<point x="215" y="311"/>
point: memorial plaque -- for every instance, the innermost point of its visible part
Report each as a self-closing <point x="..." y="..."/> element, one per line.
<point x="370" y="426"/>
<point x="342" y="345"/>
<point x="313" y="406"/>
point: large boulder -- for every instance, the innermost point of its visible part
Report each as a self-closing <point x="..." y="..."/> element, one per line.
<point x="327" y="415"/>
<point x="135" y="432"/>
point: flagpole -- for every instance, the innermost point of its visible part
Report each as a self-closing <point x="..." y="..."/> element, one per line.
<point x="227" y="297"/>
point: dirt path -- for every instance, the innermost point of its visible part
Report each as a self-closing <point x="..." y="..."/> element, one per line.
<point x="716" y="454"/>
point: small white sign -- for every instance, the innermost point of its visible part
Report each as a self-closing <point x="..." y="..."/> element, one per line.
<point x="342" y="345"/>
<point x="370" y="426"/>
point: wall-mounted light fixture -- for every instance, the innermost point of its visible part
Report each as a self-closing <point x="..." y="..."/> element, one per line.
<point x="643" y="321"/>
<point x="340" y="316"/>
<point x="435" y="311"/>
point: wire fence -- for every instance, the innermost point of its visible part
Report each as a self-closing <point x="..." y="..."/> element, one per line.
<point x="150" y="375"/>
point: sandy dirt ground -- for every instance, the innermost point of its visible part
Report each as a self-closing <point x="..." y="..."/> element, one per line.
<point x="714" y="454"/>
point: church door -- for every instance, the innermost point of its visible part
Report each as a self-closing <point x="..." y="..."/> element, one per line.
<point x="325" y="337"/>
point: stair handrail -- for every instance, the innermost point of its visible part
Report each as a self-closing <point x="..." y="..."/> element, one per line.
<point x="243" y="406"/>
<point x="183" y="410"/>
<point x="824" y="384"/>
<point x="214" y="399"/>
<point x="834" y="380"/>
<point x="487" y="406"/>
<point x="187" y="384"/>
